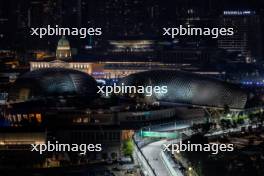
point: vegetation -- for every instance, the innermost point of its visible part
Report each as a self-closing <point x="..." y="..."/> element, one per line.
<point x="128" y="147"/>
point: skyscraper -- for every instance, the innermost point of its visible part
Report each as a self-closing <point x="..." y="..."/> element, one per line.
<point x="246" y="40"/>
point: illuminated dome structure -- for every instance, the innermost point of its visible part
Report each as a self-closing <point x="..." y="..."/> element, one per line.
<point x="63" y="51"/>
<point x="189" y="89"/>
<point x="52" y="82"/>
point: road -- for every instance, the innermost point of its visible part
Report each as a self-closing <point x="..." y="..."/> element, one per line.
<point x="152" y="153"/>
<point x="153" y="150"/>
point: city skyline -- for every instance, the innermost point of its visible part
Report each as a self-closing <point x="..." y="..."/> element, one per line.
<point x="132" y="87"/>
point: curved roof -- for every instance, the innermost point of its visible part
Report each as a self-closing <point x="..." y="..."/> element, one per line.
<point x="63" y="42"/>
<point x="52" y="82"/>
<point x="188" y="88"/>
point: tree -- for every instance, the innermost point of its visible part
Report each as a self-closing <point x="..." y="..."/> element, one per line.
<point x="128" y="147"/>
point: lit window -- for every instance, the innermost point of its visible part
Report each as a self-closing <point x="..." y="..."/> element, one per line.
<point x="85" y="120"/>
<point x="25" y="116"/>
<point x="38" y="118"/>
<point x="19" y="117"/>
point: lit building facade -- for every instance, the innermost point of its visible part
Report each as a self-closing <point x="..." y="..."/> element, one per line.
<point x="117" y="69"/>
<point x="99" y="70"/>
<point x="246" y="40"/>
<point x="63" y="51"/>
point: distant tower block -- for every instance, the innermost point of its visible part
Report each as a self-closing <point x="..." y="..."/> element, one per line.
<point x="63" y="51"/>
